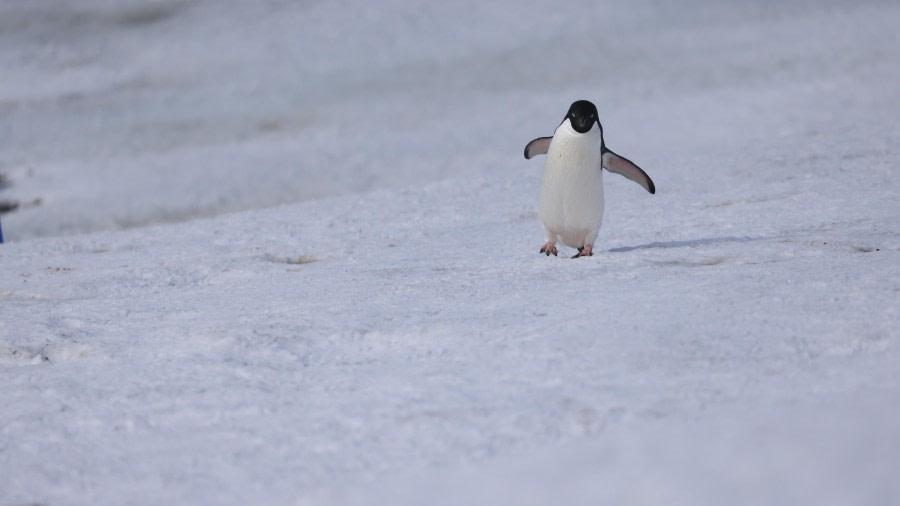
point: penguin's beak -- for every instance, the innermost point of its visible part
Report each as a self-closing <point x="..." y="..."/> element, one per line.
<point x="582" y="124"/>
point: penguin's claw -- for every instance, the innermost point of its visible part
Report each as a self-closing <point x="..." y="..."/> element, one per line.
<point x="584" y="251"/>
<point x="549" y="248"/>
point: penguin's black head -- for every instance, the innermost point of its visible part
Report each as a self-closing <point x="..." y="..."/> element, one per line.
<point x="582" y="115"/>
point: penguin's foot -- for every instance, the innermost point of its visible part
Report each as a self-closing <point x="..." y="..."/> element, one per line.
<point x="549" y="248"/>
<point x="584" y="251"/>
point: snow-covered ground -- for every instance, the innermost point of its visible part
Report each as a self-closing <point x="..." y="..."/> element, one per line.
<point x="375" y="326"/>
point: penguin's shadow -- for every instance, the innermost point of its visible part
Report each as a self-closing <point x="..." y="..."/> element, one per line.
<point x="684" y="244"/>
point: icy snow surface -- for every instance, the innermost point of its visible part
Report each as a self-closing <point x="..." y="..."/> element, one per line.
<point x="339" y="300"/>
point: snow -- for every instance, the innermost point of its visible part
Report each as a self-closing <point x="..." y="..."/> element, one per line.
<point x="286" y="253"/>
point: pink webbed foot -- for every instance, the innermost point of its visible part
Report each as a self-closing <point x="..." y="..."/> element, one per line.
<point x="585" y="251"/>
<point x="549" y="248"/>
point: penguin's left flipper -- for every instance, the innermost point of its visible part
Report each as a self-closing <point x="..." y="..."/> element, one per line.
<point x="621" y="165"/>
<point x="536" y="147"/>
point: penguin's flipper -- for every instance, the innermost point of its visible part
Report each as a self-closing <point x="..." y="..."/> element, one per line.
<point x="623" y="166"/>
<point x="536" y="147"/>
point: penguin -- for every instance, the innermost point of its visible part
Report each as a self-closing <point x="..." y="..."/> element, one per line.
<point x="570" y="203"/>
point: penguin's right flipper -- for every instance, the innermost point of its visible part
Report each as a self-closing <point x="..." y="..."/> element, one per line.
<point x="536" y="147"/>
<point x="623" y="166"/>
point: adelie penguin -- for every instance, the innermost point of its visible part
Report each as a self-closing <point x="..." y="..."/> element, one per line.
<point x="570" y="205"/>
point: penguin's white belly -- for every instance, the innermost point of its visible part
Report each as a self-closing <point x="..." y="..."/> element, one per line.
<point x="570" y="204"/>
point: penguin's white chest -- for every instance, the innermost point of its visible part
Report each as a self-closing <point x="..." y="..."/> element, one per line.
<point x="570" y="204"/>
